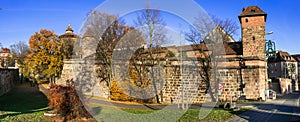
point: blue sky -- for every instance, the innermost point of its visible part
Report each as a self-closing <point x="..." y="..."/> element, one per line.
<point x="19" y="19"/>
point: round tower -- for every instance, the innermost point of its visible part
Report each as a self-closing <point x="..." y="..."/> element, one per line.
<point x="68" y="40"/>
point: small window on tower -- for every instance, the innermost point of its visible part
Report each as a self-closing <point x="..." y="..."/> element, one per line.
<point x="253" y="38"/>
<point x="246" y="20"/>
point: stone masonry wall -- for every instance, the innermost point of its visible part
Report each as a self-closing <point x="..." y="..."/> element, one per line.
<point x="231" y="80"/>
<point x="194" y="88"/>
<point x="186" y="87"/>
<point x="254" y="41"/>
<point x="82" y="73"/>
<point x="253" y="33"/>
<point x="8" y="79"/>
<point x="253" y="77"/>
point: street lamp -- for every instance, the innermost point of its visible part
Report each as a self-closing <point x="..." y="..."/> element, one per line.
<point x="269" y="33"/>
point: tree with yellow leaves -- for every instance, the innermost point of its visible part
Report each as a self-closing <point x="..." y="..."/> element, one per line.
<point x="45" y="60"/>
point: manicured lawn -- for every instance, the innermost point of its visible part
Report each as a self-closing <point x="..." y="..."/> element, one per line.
<point x="216" y="115"/>
<point x="23" y="103"/>
<point x="191" y="115"/>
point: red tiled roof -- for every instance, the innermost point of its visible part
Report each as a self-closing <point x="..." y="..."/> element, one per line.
<point x="69" y="28"/>
<point x="296" y="57"/>
<point x="282" y="56"/>
<point x="68" y="34"/>
<point x="5" y="50"/>
<point x="232" y="48"/>
<point x="252" y="11"/>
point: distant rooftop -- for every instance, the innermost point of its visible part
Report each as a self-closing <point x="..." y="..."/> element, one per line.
<point x="282" y="56"/>
<point x="5" y="50"/>
<point x="68" y="33"/>
<point x="296" y="57"/>
<point x="69" y="29"/>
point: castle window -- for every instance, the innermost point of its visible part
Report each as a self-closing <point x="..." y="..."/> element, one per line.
<point x="246" y="20"/>
<point x="252" y="10"/>
<point x="253" y="38"/>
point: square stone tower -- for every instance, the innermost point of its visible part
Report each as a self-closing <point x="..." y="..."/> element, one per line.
<point x="253" y="20"/>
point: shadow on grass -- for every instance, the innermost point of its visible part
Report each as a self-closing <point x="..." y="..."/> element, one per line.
<point x="23" y="99"/>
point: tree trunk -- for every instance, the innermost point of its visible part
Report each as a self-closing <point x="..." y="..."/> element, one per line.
<point x="213" y="98"/>
<point x="154" y="85"/>
<point x="109" y="85"/>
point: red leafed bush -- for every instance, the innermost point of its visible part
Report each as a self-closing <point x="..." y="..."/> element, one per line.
<point x="64" y="100"/>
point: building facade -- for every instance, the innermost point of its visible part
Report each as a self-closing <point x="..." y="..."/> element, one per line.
<point x="297" y="58"/>
<point x="6" y="59"/>
<point x="283" y="66"/>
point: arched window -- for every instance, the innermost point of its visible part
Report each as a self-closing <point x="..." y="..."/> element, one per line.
<point x="246" y="20"/>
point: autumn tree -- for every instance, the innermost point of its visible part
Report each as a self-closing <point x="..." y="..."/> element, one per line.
<point x="45" y="60"/>
<point x="209" y="36"/>
<point x="102" y="32"/>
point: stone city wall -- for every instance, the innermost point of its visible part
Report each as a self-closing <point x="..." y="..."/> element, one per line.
<point x="8" y="79"/>
<point x="188" y="86"/>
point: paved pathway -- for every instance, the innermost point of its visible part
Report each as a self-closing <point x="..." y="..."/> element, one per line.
<point x="282" y="110"/>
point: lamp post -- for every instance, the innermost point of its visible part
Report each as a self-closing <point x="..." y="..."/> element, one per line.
<point x="269" y="33"/>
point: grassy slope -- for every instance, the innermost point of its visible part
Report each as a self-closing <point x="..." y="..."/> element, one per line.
<point x="23" y="103"/>
<point x="191" y="115"/>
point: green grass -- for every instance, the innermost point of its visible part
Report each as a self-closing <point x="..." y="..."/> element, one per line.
<point x="191" y="115"/>
<point x="23" y="103"/>
<point x="216" y="115"/>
